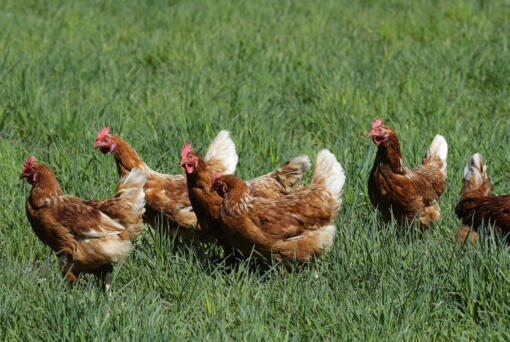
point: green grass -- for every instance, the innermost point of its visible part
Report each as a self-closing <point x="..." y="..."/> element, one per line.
<point x="284" y="77"/>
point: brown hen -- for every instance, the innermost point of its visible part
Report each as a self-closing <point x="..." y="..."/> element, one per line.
<point x="478" y="206"/>
<point x="87" y="235"/>
<point x="408" y="194"/>
<point x="297" y="226"/>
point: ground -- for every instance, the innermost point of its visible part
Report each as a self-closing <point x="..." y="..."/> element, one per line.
<point x="285" y="77"/>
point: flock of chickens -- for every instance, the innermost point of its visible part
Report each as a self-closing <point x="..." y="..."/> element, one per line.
<point x="274" y="215"/>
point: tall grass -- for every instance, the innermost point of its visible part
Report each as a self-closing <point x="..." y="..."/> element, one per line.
<point x="285" y="77"/>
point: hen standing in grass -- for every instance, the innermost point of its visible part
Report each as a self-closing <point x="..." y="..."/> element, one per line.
<point x="87" y="235"/>
<point x="167" y="200"/>
<point x="478" y="205"/>
<point x="409" y="194"/>
<point x="297" y="226"/>
<point x="206" y="204"/>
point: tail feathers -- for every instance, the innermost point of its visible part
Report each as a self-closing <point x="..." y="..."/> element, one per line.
<point x="223" y="149"/>
<point x="437" y="152"/>
<point x="329" y="172"/>
<point x="131" y="189"/>
<point x="475" y="175"/>
<point x="291" y="173"/>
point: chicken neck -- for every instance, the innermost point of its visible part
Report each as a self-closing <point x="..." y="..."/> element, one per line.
<point x="45" y="187"/>
<point x="201" y="177"/>
<point x="388" y="153"/>
<point x="126" y="157"/>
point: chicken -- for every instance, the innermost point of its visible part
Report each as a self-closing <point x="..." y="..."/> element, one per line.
<point x="408" y="194"/>
<point x="206" y="204"/>
<point x="297" y="226"/>
<point x="87" y="235"/>
<point x="478" y="206"/>
<point x="167" y="200"/>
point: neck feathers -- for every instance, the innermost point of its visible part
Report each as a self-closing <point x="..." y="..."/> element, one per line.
<point x="47" y="186"/>
<point x="126" y="157"/>
<point x="201" y="176"/>
<point x="388" y="153"/>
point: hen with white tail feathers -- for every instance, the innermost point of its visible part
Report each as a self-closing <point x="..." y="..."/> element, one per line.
<point x="88" y="235"/>
<point x="409" y="195"/>
<point x="298" y="226"/>
<point x="478" y="206"/>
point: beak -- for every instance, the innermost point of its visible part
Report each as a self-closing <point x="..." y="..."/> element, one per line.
<point x="370" y="134"/>
<point x="95" y="145"/>
<point x="182" y="163"/>
<point x="22" y="176"/>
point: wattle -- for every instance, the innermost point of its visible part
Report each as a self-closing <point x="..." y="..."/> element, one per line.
<point x="378" y="139"/>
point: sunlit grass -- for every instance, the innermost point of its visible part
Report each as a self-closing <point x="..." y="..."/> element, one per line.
<point x="285" y="77"/>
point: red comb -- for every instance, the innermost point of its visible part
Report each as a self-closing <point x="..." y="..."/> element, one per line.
<point x="376" y="123"/>
<point x="217" y="175"/>
<point x="185" y="150"/>
<point x="103" y="132"/>
<point x="28" y="162"/>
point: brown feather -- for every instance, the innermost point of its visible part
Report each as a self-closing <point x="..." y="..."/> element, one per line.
<point x="476" y="208"/>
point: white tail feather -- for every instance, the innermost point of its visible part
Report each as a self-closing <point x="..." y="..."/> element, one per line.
<point x="223" y="148"/>
<point x="131" y="188"/>
<point x="439" y="149"/>
<point x="327" y="170"/>
<point x="475" y="172"/>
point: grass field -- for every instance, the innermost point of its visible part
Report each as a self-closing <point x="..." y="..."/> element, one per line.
<point x="284" y="77"/>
